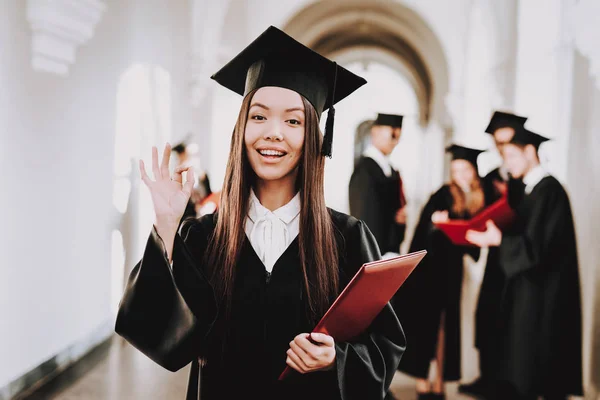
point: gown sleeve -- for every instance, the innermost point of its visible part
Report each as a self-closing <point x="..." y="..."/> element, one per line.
<point x="166" y="312"/>
<point x="365" y="366"/>
<point x="365" y="203"/>
<point x="547" y="220"/>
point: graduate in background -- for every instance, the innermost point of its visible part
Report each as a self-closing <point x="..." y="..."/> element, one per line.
<point x="236" y="293"/>
<point x="201" y="190"/>
<point x="496" y="184"/>
<point x="540" y="326"/>
<point x="428" y="304"/>
<point x="376" y="193"/>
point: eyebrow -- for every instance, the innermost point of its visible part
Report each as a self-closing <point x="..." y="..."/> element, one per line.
<point x="267" y="108"/>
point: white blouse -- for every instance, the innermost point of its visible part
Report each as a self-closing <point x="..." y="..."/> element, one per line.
<point x="271" y="232"/>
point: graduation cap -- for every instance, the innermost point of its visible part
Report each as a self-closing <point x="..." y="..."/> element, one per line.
<point x="502" y="119"/>
<point x="524" y="137"/>
<point x="277" y="59"/>
<point x="393" y="120"/>
<point x="179" y="147"/>
<point x="464" y="153"/>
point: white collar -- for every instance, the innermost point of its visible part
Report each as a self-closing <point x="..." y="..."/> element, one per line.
<point x="285" y="213"/>
<point x="377" y="156"/>
<point x="533" y="177"/>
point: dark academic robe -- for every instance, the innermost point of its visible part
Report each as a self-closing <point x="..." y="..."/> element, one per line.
<point x="200" y="193"/>
<point x="541" y="309"/>
<point x="434" y="287"/>
<point x="514" y="186"/>
<point x="268" y="312"/>
<point x="375" y="198"/>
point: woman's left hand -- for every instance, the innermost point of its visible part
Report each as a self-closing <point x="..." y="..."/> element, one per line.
<point x="306" y="356"/>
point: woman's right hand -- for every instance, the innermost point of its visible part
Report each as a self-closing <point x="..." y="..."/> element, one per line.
<point x="439" y="217"/>
<point x="170" y="195"/>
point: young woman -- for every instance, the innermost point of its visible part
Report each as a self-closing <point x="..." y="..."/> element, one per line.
<point x="248" y="283"/>
<point x="429" y="301"/>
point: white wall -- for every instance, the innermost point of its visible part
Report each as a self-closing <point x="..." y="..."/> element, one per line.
<point x="57" y="146"/>
<point x="583" y="183"/>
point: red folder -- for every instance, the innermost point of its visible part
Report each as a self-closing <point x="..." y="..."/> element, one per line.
<point x="365" y="296"/>
<point x="499" y="212"/>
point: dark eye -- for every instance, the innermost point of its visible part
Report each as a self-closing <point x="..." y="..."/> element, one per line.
<point x="258" y="117"/>
<point x="294" y="121"/>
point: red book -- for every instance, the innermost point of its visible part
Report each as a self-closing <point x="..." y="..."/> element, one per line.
<point x="362" y="300"/>
<point x="499" y="212"/>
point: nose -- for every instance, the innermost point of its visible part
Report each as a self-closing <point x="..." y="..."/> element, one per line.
<point x="274" y="133"/>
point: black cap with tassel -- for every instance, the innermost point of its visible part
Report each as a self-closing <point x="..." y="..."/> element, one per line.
<point x="277" y="59"/>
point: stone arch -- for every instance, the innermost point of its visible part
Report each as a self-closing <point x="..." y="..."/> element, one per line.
<point x="388" y="32"/>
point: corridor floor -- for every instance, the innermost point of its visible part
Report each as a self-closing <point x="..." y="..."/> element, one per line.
<point x="117" y="371"/>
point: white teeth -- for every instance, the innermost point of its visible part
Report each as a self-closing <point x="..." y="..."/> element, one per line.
<point x="271" y="153"/>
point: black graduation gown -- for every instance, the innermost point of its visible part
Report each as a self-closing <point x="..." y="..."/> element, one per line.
<point x="375" y="198"/>
<point x="541" y="307"/>
<point x="268" y="312"/>
<point x="201" y="192"/>
<point x="514" y="186"/>
<point x="434" y="287"/>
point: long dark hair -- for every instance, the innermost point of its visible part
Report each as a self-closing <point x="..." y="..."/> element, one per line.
<point x="468" y="204"/>
<point x="318" y="250"/>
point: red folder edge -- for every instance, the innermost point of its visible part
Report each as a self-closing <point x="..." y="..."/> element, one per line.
<point x="404" y="265"/>
<point x="499" y="212"/>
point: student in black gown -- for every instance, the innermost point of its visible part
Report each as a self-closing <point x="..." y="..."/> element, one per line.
<point x="375" y="192"/>
<point x="540" y="326"/>
<point x="248" y="283"/>
<point x="496" y="184"/>
<point x="202" y="188"/>
<point x="429" y="301"/>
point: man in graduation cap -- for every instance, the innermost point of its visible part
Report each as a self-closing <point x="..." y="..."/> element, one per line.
<point x="540" y="320"/>
<point x="376" y="193"/>
<point x="499" y="182"/>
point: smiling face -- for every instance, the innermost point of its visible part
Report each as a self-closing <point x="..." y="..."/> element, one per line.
<point x="274" y="135"/>
<point x="463" y="173"/>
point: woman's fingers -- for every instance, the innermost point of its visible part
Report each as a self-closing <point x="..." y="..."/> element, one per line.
<point x="155" y="169"/>
<point x="164" y="166"/>
<point x="145" y="178"/>
<point x="189" y="181"/>
<point x="293" y="365"/>
<point x="323" y="339"/>
<point x="299" y="361"/>
<point x="303" y="353"/>
<point x="177" y="175"/>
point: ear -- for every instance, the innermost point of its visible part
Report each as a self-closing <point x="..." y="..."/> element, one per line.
<point x="531" y="152"/>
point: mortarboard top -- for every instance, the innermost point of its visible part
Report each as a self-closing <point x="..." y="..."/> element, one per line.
<point x="502" y="119"/>
<point x="524" y="137"/>
<point x="277" y="59"/>
<point x="464" y="153"/>
<point x="179" y="147"/>
<point x="393" y="120"/>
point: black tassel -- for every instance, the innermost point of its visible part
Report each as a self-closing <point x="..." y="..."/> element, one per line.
<point x="328" y="138"/>
<point x="326" y="149"/>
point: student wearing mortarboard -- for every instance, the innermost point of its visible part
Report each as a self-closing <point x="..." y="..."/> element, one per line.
<point x="499" y="182"/>
<point x="540" y="326"/>
<point x="376" y="192"/>
<point x="249" y="282"/>
<point x="428" y="304"/>
<point x="201" y="188"/>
